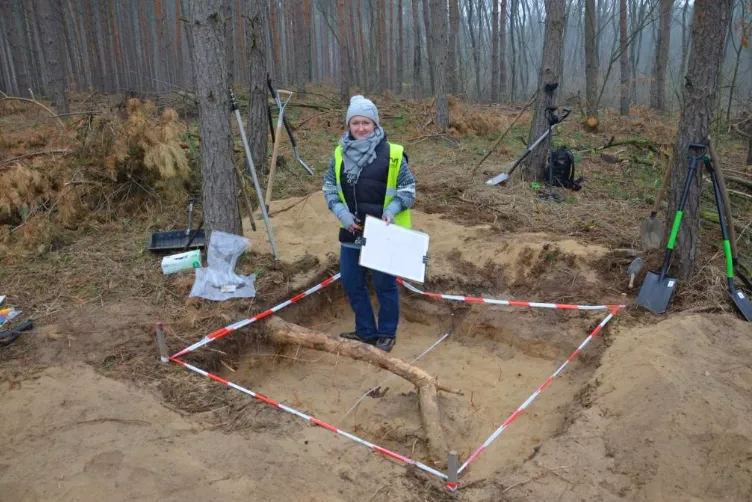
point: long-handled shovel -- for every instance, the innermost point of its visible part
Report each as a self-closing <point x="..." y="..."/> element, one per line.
<point x="729" y="216"/>
<point x="652" y="228"/>
<point x="252" y="169"/>
<point x="554" y="121"/>
<point x="740" y="299"/>
<point x="658" y="288"/>
<point x="287" y="126"/>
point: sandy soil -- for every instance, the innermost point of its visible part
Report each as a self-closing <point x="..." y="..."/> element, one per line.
<point x="650" y="411"/>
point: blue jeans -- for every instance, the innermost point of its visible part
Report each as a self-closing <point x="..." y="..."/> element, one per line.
<point x="354" y="282"/>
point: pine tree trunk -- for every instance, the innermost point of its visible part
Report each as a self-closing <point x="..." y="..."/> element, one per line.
<point x="17" y="59"/>
<point x="685" y="39"/>
<point x="623" y="60"/>
<point x="382" y="46"/>
<point x="344" y="83"/>
<point x="417" y="55"/>
<point x="474" y="44"/>
<point x="439" y="41"/>
<point x="257" y="130"/>
<point x="553" y="52"/>
<point x="52" y="47"/>
<point x="208" y="26"/>
<point x="495" y="52"/>
<point x="699" y="96"/>
<point x="363" y="72"/>
<point x="452" y="32"/>
<point x="306" y="40"/>
<point x="503" y="52"/>
<point x="591" y="59"/>
<point x="400" y="48"/>
<point x="658" y="85"/>
<point x="427" y="21"/>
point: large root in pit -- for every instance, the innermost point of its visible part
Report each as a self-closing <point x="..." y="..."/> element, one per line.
<point x="284" y="333"/>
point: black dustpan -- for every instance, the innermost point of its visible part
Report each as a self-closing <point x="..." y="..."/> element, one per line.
<point x="176" y="240"/>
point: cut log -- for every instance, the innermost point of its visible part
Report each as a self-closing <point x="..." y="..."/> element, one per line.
<point x="284" y="333"/>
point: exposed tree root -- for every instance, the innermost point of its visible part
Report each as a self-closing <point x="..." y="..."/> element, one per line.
<point x="284" y="333"/>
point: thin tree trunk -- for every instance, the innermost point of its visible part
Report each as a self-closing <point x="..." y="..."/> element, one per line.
<point x="417" y="56"/>
<point x="344" y="83"/>
<point x="503" y="51"/>
<point x="257" y="131"/>
<point x="209" y="24"/>
<point x="440" y="41"/>
<point x="400" y="48"/>
<point x="452" y="68"/>
<point x="53" y="51"/>
<point x="382" y="46"/>
<point x="698" y="98"/>
<point x="495" y="79"/>
<point x="658" y="85"/>
<point x="685" y="39"/>
<point x="591" y="59"/>
<point x="274" y="23"/>
<point x="306" y="40"/>
<point x="359" y="20"/>
<point x="738" y="50"/>
<point x="623" y="60"/>
<point x="513" y="43"/>
<point x="427" y="21"/>
<point x="553" y="51"/>
<point x="474" y="44"/>
<point x="18" y="61"/>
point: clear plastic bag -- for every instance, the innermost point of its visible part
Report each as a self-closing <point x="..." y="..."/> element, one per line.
<point x="219" y="281"/>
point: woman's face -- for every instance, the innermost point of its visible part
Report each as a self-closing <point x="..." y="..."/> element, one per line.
<point x="361" y="127"/>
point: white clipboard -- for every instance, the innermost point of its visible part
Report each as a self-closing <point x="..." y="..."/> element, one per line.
<point x="394" y="250"/>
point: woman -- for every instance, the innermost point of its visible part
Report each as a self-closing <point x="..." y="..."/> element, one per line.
<point x="368" y="176"/>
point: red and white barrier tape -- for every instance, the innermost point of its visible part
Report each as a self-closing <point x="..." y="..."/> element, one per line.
<point x="537" y="392"/>
<point x="509" y="303"/>
<point x="313" y="420"/>
<point x="245" y="322"/>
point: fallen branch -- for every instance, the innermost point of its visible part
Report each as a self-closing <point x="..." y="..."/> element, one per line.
<point x="740" y="181"/>
<point x="34" y="154"/>
<point x="285" y="333"/>
<point x="5" y="97"/>
<point x="640" y="142"/>
<point x="504" y="134"/>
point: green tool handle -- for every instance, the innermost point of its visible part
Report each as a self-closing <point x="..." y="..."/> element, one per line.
<point x="722" y="220"/>
<point x="724" y="196"/>
<point x="693" y="160"/>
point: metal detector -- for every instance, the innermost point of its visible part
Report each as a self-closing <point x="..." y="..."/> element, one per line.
<point x="553" y="121"/>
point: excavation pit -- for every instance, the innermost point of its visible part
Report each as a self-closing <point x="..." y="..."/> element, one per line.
<point x="496" y="356"/>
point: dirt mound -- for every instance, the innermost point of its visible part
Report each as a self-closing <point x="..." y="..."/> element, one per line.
<point x="458" y="254"/>
<point x="106" y="440"/>
<point x="666" y="417"/>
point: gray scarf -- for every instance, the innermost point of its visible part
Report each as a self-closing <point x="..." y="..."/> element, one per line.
<point x="358" y="153"/>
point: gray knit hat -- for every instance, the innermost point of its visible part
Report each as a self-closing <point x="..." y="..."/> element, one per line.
<point x="362" y="107"/>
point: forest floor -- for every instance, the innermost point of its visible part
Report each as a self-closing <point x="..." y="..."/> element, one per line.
<point x="654" y="408"/>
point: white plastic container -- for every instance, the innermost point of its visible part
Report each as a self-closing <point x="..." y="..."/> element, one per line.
<point x="182" y="261"/>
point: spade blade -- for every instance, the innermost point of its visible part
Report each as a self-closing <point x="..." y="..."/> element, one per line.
<point x="742" y="303"/>
<point x="656" y="293"/>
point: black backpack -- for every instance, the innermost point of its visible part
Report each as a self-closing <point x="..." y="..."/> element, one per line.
<point x="561" y="170"/>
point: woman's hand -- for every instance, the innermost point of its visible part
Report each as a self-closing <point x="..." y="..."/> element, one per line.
<point x="388" y="219"/>
<point x="354" y="228"/>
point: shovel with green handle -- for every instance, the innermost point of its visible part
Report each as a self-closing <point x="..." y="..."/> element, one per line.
<point x="737" y="295"/>
<point x="658" y="288"/>
<point x="729" y="217"/>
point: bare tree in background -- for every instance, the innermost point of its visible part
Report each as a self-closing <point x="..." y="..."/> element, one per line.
<point x="452" y="36"/>
<point x="623" y="60"/>
<point x="417" y="55"/>
<point x="208" y="24"/>
<point x="439" y="42"/>
<point x="699" y="95"/>
<point x="591" y="59"/>
<point x="49" y="12"/>
<point x="495" y="79"/>
<point x="400" y="48"/>
<point x="258" y="135"/>
<point x="658" y="85"/>
<point x="344" y="82"/>
<point x="548" y="79"/>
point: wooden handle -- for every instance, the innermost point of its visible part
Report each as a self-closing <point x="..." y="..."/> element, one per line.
<point x="662" y="190"/>
<point x="286" y="93"/>
<point x="273" y="167"/>
<point x="724" y="195"/>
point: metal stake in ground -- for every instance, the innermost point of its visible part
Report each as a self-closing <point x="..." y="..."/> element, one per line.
<point x="252" y="169"/>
